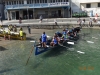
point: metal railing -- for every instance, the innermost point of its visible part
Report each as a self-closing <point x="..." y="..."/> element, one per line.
<point x="37" y="5"/>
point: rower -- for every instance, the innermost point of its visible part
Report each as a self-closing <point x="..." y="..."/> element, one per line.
<point x="69" y="35"/>
<point x="76" y="30"/>
<point x="65" y="37"/>
<point x="40" y="42"/>
<point x="64" y="34"/>
<point x="54" y="41"/>
<point x="44" y="39"/>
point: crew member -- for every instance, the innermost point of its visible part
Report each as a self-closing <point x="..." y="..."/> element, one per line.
<point x="9" y="35"/>
<point x="44" y="39"/>
<point x="4" y="33"/>
<point x="21" y="34"/>
<point x="54" y="41"/>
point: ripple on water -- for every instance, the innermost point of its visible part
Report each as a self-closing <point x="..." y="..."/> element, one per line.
<point x="54" y="63"/>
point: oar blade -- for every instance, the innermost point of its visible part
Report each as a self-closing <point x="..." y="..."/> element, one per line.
<point x="32" y="41"/>
<point x="72" y="43"/>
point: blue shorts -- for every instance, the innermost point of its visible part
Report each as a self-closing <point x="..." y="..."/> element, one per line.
<point x="44" y="41"/>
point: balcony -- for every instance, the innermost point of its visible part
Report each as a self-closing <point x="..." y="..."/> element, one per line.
<point x="37" y="5"/>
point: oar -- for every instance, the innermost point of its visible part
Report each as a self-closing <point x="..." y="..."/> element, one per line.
<point x="63" y="45"/>
<point x="72" y="43"/>
<point x="30" y="55"/>
<point x="30" y="52"/>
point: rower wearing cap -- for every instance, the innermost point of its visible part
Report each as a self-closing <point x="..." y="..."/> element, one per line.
<point x="44" y="39"/>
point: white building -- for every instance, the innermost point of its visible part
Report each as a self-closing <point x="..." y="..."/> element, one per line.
<point x="14" y="9"/>
<point x="89" y="6"/>
<point x="29" y="9"/>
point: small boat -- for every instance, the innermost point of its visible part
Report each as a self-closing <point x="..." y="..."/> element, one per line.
<point x="14" y="35"/>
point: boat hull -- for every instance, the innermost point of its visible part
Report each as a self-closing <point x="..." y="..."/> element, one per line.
<point x="39" y="50"/>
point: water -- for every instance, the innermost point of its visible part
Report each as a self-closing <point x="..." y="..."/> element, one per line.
<point x="61" y="61"/>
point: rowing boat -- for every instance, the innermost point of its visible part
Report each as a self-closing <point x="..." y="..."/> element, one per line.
<point x="39" y="49"/>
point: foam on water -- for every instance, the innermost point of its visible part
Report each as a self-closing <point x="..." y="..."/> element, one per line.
<point x="94" y="37"/>
<point x="71" y="49"/>
<point x="81" y="52"/>
<point x="90" y="42"/>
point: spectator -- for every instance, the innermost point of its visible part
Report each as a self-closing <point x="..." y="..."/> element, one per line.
<point x="29" y="29"/>
<point x="79" y="22"/>
<point x="41" y="18"/>
<point x="15" y="28"/>
<point x="98" y="23"/>
<point x="83" y="22"/>
<point x="20" y="20"/>
<point x="55" y="21"/>
<point x="90" y="22"/>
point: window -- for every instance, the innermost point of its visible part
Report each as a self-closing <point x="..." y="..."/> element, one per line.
<point x="14" y="2"/>
<point x="45" y="1"/>
<point x="88" y="5"/>
<point x="28" y="2"/>
<point x="9" y="3"/>
<point x="22" y="2"/>
<point x="98" y="4"/>
<point x="19" y="2"/>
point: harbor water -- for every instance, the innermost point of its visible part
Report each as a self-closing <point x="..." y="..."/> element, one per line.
<point x="82" y="58"/>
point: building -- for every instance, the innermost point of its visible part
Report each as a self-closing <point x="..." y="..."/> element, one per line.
<point x="90" y="6"/>
<point x="29" y="9"/>
<point x="1" y="9"/>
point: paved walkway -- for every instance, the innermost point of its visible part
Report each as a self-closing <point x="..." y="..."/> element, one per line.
<point x="47" y="21"/>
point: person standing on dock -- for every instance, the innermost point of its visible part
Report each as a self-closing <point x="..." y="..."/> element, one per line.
<point x="55" y="21"/>
<point x="29" y="29"/>
<point x="41" y="18"/>
<point x="20" y="20"/>
<point x="79" y="22"/>
<point x="90" y="22"/>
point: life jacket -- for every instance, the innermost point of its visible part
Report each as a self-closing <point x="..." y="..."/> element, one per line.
<point x="8" y="31"/>
<point x="21" y="33"/>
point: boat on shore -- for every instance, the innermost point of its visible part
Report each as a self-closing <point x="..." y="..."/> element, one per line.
<point x="14" y="35"/>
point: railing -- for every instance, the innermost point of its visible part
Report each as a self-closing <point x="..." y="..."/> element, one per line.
<point x="37" y="5"/>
